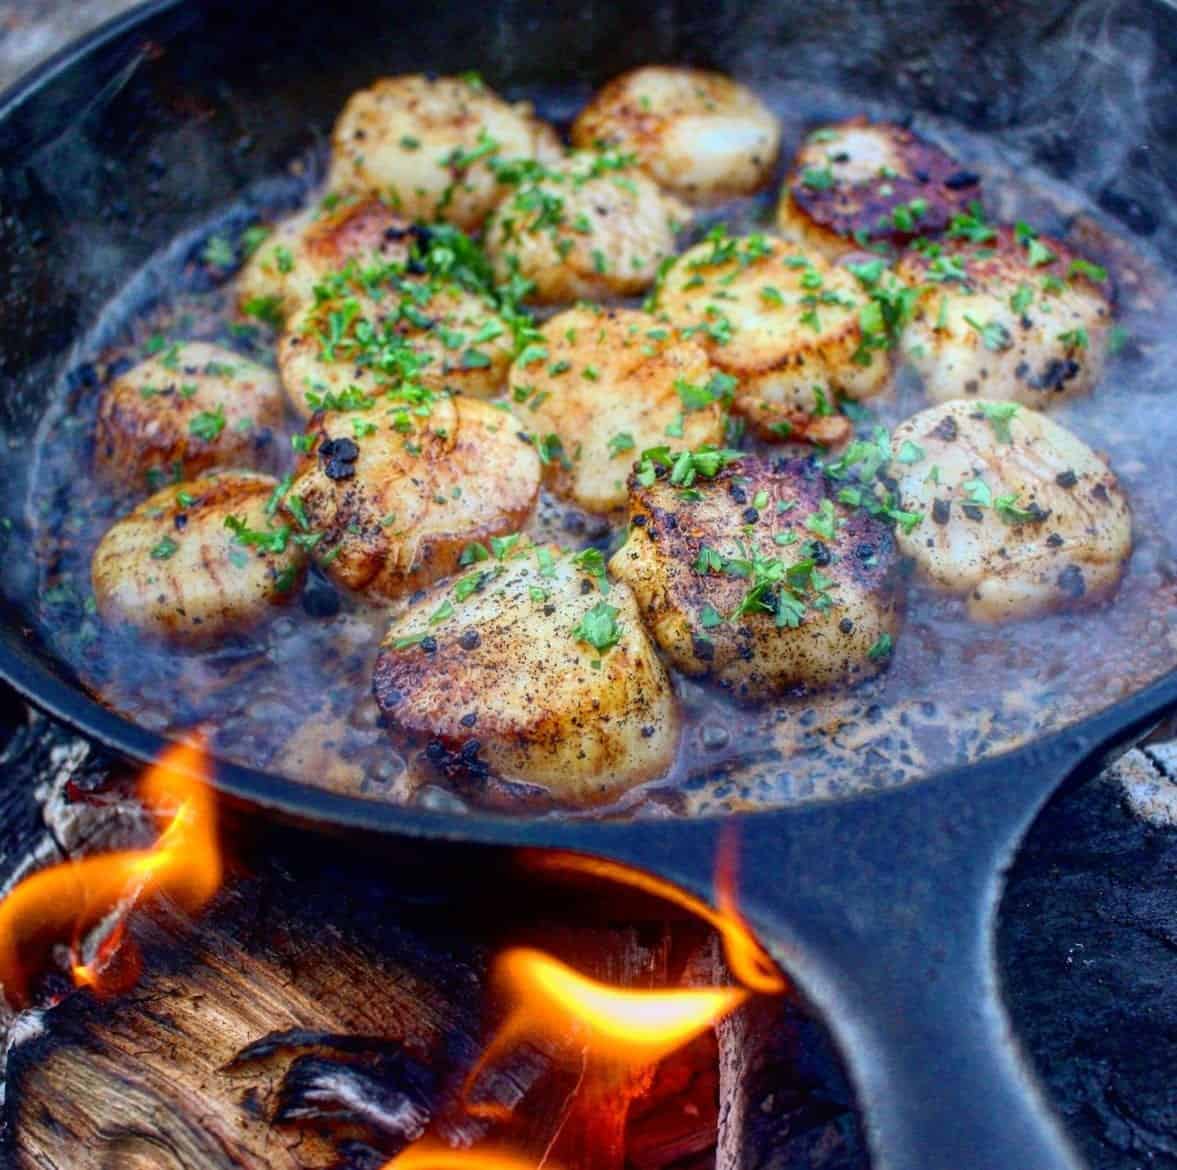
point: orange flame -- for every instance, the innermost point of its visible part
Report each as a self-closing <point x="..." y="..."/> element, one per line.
<point x="748" y="960"/>
<point x="428" y="1155"/>
<point x="68" y="900"/>
<point x="614" y="1026"/>
<point x="637" y="1027"/>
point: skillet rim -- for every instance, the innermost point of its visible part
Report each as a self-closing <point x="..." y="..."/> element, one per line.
<point x="24" y="669"/>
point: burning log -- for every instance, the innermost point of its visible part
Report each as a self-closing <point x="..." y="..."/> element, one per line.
<point x="277" y="1034"/>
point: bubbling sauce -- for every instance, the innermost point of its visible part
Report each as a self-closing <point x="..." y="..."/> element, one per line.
<point x="294" y="695"/>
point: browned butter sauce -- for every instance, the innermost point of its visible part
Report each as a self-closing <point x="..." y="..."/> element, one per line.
<point x="294" y="695"/>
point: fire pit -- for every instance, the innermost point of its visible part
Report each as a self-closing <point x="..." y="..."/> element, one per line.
<point x="328" y="1009"/>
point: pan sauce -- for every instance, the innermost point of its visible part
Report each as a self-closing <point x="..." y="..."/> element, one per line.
<point x="294" y="696"/>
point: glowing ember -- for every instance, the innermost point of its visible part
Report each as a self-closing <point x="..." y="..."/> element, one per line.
<point x="748" y="960"/>
<point x="67" y="901"/>
<point x="428" y="1155"/>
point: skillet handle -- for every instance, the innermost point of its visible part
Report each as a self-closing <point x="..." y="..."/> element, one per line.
<point x="885" y="913"/>
<point x="882" y="909"/>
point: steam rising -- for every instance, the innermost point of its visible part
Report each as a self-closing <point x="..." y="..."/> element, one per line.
<point x="1066" y="110"/>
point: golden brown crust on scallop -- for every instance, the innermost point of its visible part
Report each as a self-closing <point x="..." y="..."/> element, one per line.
<point x="1022" y="517"/>
<point x="281" y="274"/>
<point x="428" y="333"/>
<point x="590" y="227"/>
<point x="424" y="144"/>
<point x="826" y="617"/>
<point x="859" y="183"/>
<point x="782" y="321"/>
<point x="1021" y="319"/>
<point x="173" y="568"/>
<point x="192" y="407"/>
<point x="487" y="673"/>
<point x="611" y="384"/>
<point x="698" y="133"/>
<point x="396" y="497"/>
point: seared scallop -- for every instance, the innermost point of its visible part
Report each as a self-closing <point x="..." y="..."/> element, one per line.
<point x="198" y="560"/>
<point x="282" y="273"/>
<point x="1022" y="517"/>
<point x="613" y="382"/>
<point x="756" y="577"/>
<point x="858" y="184"/>
<point x="429" y="146"/>
<point x="699" y="134"/>
<point x="792" y="329"/>
<point x="522" y="668"/>
<point x="363" y="340"/>
<point x="191" y="407"/>
<point x="593" y="227"/>
<point x="392" y="494"/>
<point x="1006" y="314"/>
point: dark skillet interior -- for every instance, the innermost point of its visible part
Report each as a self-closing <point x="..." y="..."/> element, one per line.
<point x="141" y="137"/>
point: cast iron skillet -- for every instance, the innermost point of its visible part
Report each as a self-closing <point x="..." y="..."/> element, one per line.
<point x="880" y="906"/>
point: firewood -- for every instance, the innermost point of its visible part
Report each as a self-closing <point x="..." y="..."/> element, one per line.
<point x="312" y="1020"/>
<point x="786" y="1104"/>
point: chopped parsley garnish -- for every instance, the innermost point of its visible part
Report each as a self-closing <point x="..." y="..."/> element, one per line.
<point x="684" y="467"/>
<point x="532" y="354"/>
<point x="1074" y="338"/>
<point x="441" y="613"/>
<point x="409" y="640"/>
<point x="620" y="443"/>
<point x="164" y="549"/>
<point x="1038" y="254"/>
<point x="708" y="561"/>
<point x="978" y="492"/>
<point x="592" y="561"/>
<point x="1081" y="267"/>
<point x="550" y="449"/>
<point x="466" y="586"/>
<point x="207" y="425"/>
<point x="219" y="253"/>
<point x="999" y="415"/>
<point x="271" y="541"/>
<point x="278" y="495"/>
<point x="1011" y="512"/>
<point x="881" y="648"/>
<point x="718" y="388"/>
<point x="710" y="617"/>
<point x="994" y="335"/>
<point x="818" y="178"/>
<point x="268" y="310"/>
<point x="824" y="521"/>
<point x="253" y="238"/>
<point x="599" y="627"/>
<point x="971" y="226"/>
<point x="503" y="546"/>
<point x="1022" y="298"/>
